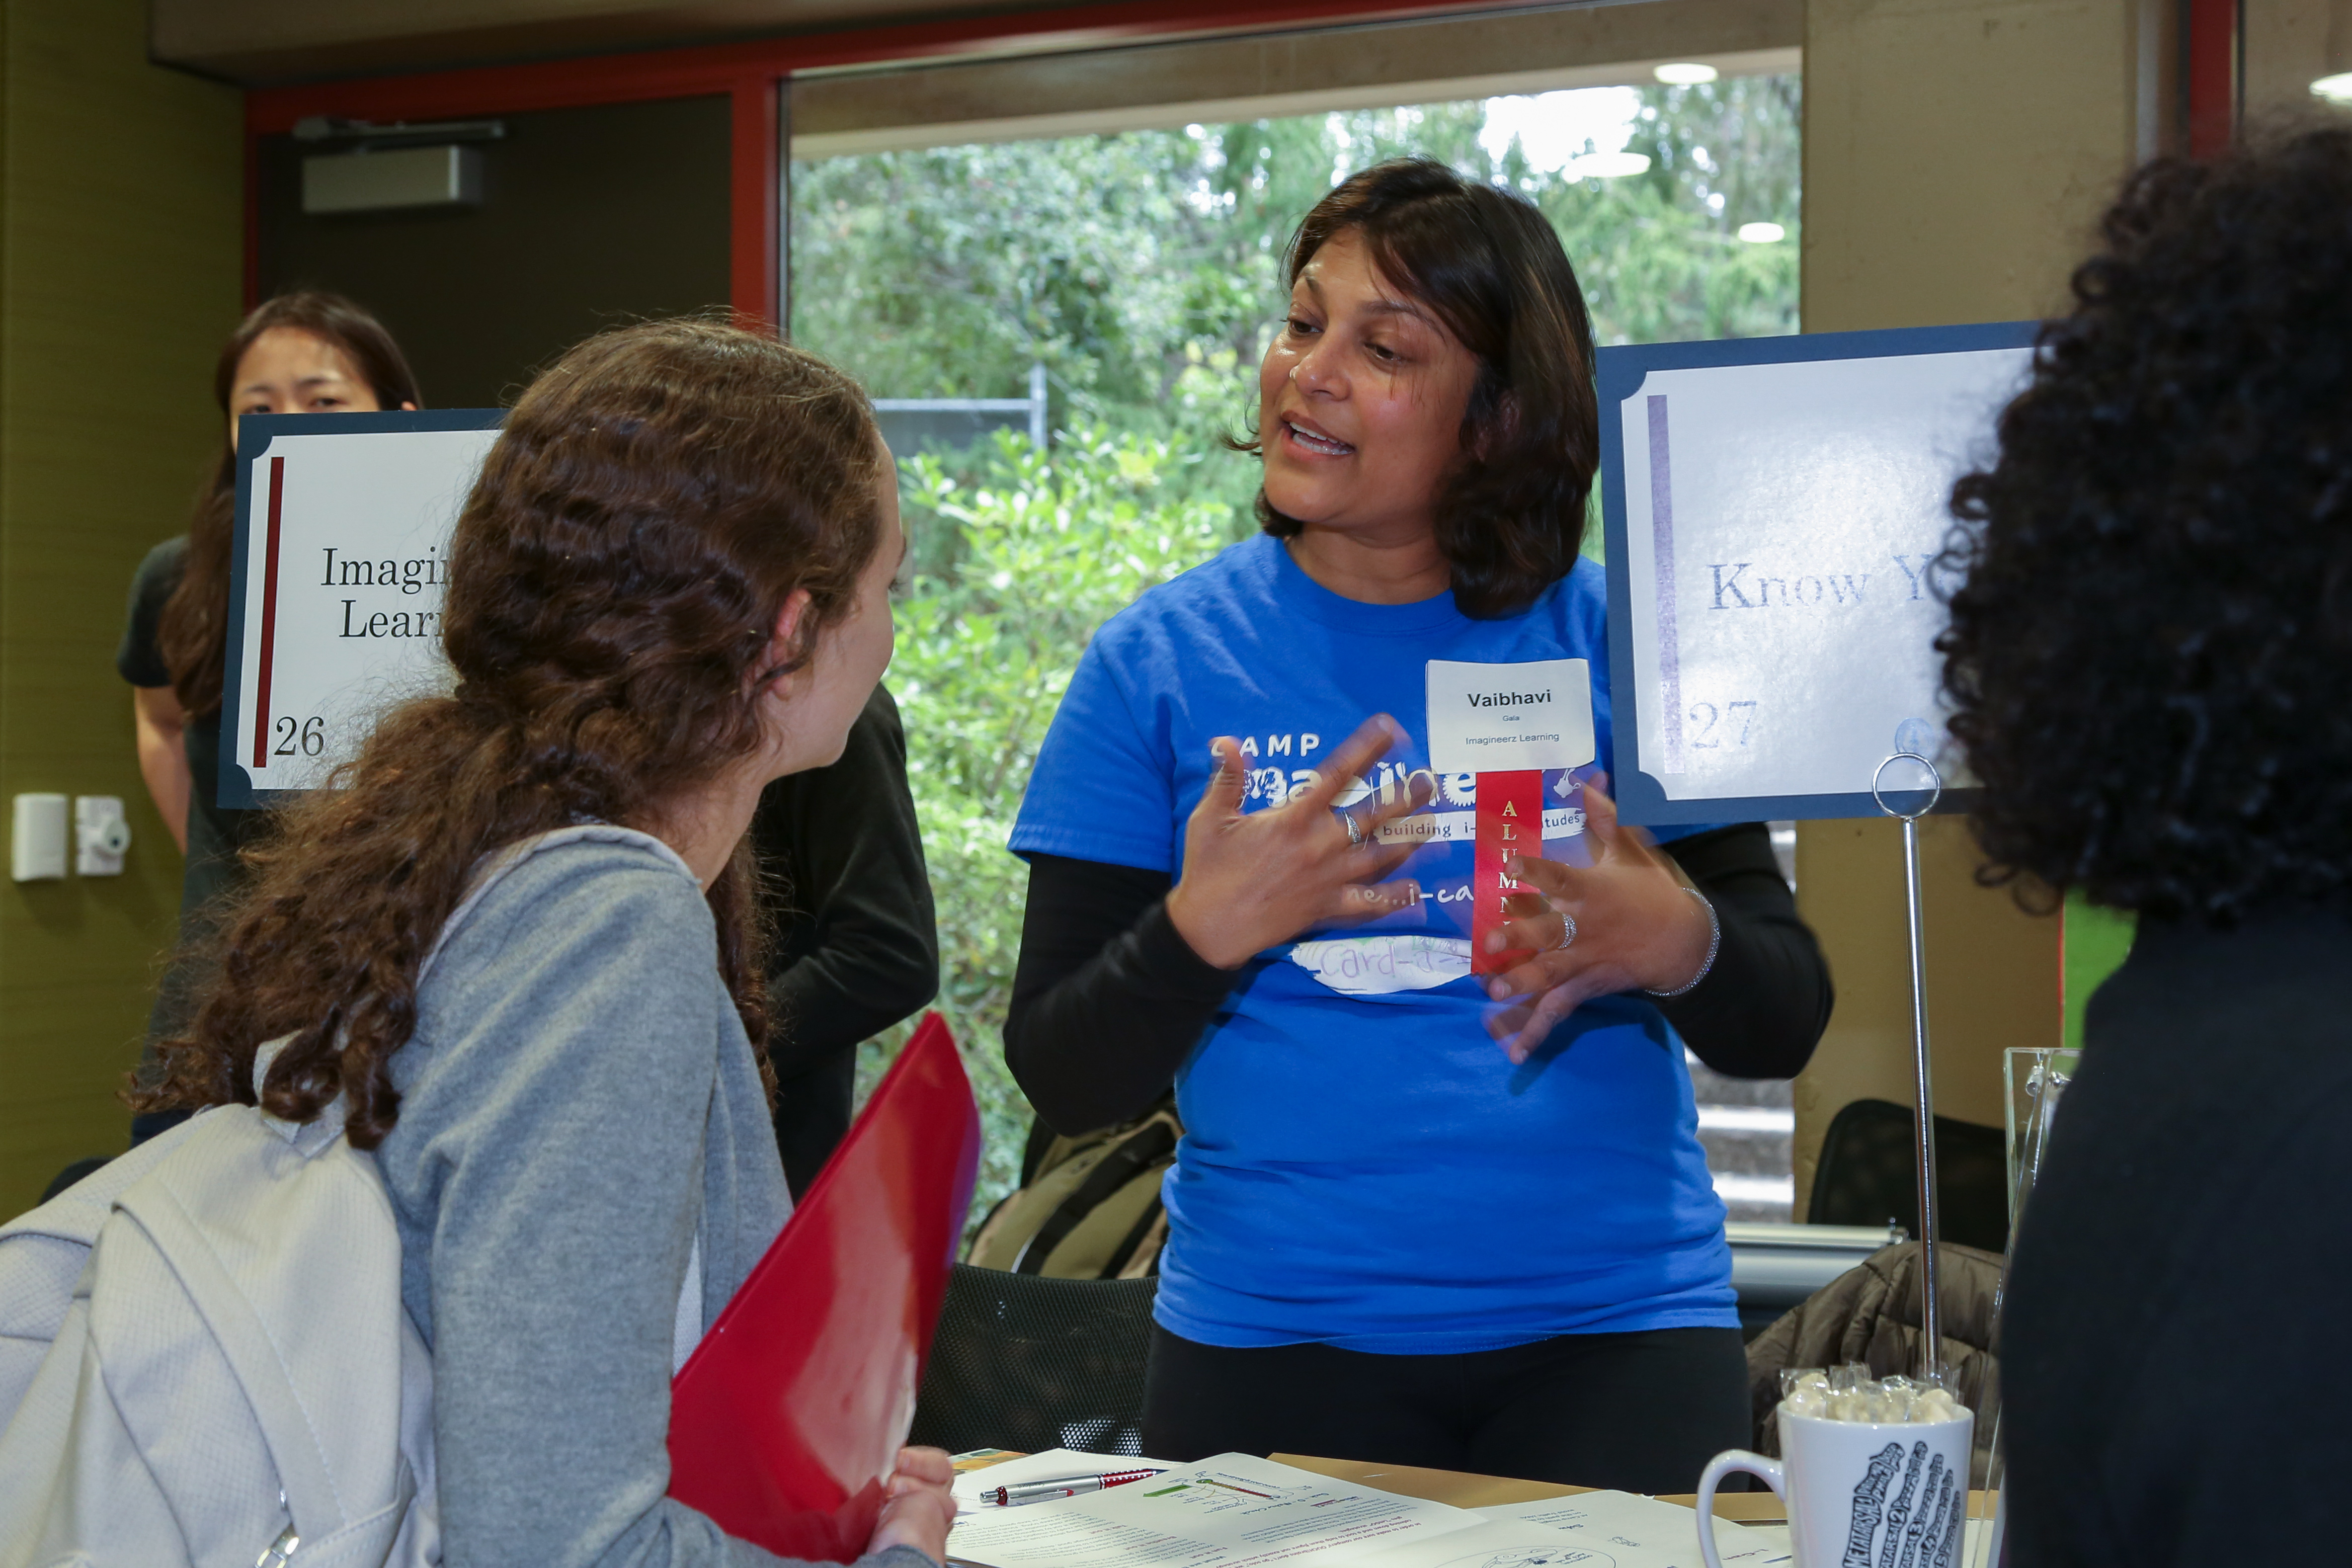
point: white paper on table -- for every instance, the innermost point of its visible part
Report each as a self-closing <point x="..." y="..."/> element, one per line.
<point x="1053" y="1464"/>
<point x="1510" y="1543"/>
<point x="1233" y="1511"/>
<point x="1634" y="1531"/>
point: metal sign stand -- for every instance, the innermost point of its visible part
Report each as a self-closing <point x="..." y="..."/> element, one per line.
<point x="1931" y="1328"/>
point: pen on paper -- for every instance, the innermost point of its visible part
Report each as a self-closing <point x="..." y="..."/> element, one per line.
<point x="1014" y="1496"/>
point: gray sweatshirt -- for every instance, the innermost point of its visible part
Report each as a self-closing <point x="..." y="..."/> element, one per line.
<point x="578" y="1095"/>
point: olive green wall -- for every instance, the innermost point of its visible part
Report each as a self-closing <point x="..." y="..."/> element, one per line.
<point x="120" y="196"/>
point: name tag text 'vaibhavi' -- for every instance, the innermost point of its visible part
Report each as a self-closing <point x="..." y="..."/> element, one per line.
<point x="1507" y="718"/>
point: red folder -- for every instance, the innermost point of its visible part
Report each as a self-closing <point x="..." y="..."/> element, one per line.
<point x="784" y="1423"/>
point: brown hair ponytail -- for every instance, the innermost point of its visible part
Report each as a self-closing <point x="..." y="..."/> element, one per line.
<point x="193" y="632"/>
<point x="654" y="499"/>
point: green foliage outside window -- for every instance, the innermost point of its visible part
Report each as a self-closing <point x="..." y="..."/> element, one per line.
<point x="1051" y="548"/>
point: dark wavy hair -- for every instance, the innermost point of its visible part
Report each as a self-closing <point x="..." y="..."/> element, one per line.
<point x="192" y="633"/>
<point x="2150" y="657"/>
<point x="615" y="577"/>
<point x="1510" y="517"/>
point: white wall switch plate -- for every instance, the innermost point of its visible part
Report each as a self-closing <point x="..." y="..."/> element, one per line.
<point x="37" y="839"/>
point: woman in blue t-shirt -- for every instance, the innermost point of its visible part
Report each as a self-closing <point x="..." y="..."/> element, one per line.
<point x="1417" y="1216"/>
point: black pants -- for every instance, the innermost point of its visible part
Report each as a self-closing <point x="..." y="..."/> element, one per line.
<point x="1639" y="1412"/>
<point x="813" y="1117"/>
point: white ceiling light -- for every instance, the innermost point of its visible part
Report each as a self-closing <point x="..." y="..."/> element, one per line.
<point x="1607" y="165"/>
<point x="1762" y="233"/>
<point x="1687" y="73"/>
<point x="2336" y="89"/>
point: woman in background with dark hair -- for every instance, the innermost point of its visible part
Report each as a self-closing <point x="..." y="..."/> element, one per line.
<point x="297" y="353"/>
<point x="1409" y="1219"/>
<point x="2150" y="661"/>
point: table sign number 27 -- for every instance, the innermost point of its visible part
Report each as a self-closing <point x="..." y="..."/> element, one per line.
<point x="1773" y="507"/>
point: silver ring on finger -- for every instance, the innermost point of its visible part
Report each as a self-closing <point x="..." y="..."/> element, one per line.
<point x="1568" y="933"/>
<point x="1354" y="830"/>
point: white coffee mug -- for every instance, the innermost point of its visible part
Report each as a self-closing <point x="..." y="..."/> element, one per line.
<point x="1859" y="1494"/>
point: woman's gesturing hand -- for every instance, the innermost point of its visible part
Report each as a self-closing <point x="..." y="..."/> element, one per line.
<point x="919" y="1508"/>
<point x="1253" y="880"/>
<point x="1636" y="926"/>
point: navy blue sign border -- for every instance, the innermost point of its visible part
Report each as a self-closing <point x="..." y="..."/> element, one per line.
<point x="1640" y="796"/>
<point x="255" y="431"/>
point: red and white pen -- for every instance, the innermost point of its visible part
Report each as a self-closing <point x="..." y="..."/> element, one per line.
<point x="1060" y="1486"/>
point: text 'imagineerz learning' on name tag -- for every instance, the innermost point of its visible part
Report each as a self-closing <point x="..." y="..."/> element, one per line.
<point x="1498" y="718"/>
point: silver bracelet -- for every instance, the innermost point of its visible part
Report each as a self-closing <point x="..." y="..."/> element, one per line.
<point x="1714" y="942"/>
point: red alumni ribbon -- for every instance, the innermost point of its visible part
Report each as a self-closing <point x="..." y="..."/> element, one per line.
<point x="1509" y="823"/>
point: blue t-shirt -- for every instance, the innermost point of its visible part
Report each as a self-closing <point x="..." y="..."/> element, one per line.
<point x="1361" y="1164"/>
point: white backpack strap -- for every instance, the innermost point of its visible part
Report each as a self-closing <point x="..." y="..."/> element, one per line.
<point x="257" y="1365"/>
<point x="291" y="1261"/>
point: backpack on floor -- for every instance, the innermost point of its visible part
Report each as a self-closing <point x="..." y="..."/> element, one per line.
<point x="1088" y="1206"/>
<point x="203" y="1359"/>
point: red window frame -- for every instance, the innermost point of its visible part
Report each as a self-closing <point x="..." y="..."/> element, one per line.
<point x="2214" y="71"/>
<point x="750" y="73"/>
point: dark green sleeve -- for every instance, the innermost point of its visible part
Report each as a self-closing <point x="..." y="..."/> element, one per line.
<point x="140" y="659"/>
<point x="857" y="944"/>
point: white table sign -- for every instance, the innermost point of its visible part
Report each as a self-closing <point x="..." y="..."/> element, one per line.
<point x="340" y="566"/>
<point x="1773" y="506"/>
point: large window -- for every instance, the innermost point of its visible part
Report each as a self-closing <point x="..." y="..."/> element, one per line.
<point x="1140" y="270"/>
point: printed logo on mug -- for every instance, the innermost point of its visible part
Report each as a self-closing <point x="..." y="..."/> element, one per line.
<point x="1873" y="1474"/>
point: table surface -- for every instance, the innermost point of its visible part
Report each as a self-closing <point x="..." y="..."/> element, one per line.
<point x="1461" y="1489"/>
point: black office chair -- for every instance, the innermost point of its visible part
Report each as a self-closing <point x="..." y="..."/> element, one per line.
<point x="1869" y="1174"/>
<point x="1024" y="1361"/>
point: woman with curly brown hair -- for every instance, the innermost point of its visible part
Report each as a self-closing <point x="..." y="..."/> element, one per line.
<point x="669" y="586"/>
<point x="2151" y="664"/>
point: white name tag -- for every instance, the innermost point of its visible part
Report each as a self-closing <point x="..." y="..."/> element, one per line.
<point x="1502" y="718"/>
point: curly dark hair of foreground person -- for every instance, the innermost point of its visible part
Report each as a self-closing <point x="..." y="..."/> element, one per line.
<point x="2150" y="656"/>
<point x="617" y="572"/>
